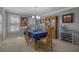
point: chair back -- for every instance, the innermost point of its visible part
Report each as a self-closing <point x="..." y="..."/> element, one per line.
<point x="50" y="35"/>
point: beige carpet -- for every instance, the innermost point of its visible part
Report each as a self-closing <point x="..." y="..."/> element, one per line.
<point x="19" y="45"/>
<point x="16" y="45"/>
<point x="64" y="46"/>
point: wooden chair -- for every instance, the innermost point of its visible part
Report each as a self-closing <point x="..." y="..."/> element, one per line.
<point x="26" y="35"/>
<point x="48" y="41"/>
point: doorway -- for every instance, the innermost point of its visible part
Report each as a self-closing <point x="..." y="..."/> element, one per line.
<point x="51" y="22"/>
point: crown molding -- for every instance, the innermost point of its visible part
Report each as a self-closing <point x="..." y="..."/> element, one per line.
<point x="58" y="11"/>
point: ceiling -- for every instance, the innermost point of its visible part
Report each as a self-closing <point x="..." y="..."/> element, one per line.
<point x="30" y="11"/>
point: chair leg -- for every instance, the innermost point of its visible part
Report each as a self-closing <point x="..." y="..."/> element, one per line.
<point x="38" y="43"/>
<point x="50" y="47"/>
<point x="27" y="40"/>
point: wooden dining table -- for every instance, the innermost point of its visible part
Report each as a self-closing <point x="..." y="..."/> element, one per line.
<point x="37" y="35"/>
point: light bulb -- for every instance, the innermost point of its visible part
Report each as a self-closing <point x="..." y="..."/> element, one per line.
<point x="33" y="17"/>
<point x="37" y="17"/>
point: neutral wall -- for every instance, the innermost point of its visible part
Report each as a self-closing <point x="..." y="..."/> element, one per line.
<point x="31" y="21"/>
<point x="42" y="25"/>
<point x="7" y="34"/>
<point x="2" y="36"/>
<point x="73" y="26"/>
<point x="13" y="34"/>
<point x="2" y="12"/>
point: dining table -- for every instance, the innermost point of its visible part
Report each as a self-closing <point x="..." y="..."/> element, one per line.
<point x="37" y="35"/>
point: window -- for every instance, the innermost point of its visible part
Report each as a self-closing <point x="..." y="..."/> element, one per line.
<point x="14" y="23"/>
<point x="14" y="20"/>
<point x="0" y="24"/>
<point x="14" y="28"/>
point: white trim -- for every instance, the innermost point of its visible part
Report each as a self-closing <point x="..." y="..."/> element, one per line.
<point x="4" y="24"/>
<point x="59" y="11"/>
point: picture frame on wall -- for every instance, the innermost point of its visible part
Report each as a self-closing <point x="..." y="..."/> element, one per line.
<point x="41" y="20"/>
<point x="68" y="18"/>
<point x="23" y="22"/>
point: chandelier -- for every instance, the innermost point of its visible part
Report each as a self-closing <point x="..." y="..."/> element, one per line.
<point x="36" y="16"/>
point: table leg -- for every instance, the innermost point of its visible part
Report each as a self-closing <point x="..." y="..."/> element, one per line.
<point x="36" y="44"/>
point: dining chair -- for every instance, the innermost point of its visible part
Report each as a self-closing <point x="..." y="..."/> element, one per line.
<point x="26" y="35"/>
<point x="48" y="41"/>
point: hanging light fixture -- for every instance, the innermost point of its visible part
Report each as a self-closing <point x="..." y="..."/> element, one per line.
<point x="33" y="17"/>
<point x="36" y="16"/>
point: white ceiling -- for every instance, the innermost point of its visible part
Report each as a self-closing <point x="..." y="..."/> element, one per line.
<point x="29" y="11"/>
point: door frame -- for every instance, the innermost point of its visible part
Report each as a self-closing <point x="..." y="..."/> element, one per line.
<point x="56" y="33"/>
<point x="56" y="27"/>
